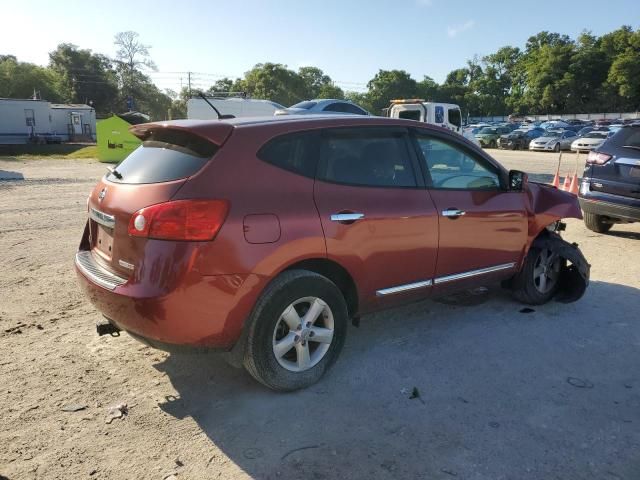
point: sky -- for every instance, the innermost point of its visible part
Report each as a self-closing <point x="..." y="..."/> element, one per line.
<point x="349" y="40"/>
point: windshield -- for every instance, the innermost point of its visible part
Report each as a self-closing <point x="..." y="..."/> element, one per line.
<point x="305" y="105"/>
<point x="596" y="135"/>
<point x="487" y="131"/>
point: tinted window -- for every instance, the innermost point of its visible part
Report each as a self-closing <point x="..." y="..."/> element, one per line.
<point x="450" y="167"/>
<point x="349" y="108"/>
<point x="306" y="105"/>
<point x="294" y="152"/>
<point x="368" y="157"/>
<point x="439" y="114"/>
<point x="455" y="118"/>
<point x="629" y="136"/>
<point x="334" y="107"/>
<point x="165" y="155"/>
<point x="410" y="114"/>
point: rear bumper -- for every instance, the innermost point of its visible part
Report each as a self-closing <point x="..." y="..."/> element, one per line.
<point x="612" y="206"/>
<point x="188" y="309"/>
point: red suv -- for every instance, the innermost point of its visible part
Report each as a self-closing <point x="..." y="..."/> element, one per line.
<point x="263" y="237"/>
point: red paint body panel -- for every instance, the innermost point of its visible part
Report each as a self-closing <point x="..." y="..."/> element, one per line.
<point x="201" y="293"/>
<point x="394" y="244"/>
<point x="492" y="232"/>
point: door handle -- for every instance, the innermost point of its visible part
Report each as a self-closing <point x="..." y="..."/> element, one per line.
<point x="346" y="217"/>
<point x="453" y="212"/>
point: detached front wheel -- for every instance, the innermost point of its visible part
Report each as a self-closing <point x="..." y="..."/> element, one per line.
<point x="296" y="331"/>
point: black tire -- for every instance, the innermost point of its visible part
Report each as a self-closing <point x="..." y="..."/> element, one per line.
<point x="596" y="223"/>
<point x="493" y="144"/>
<point x="523" y="286"/>
<point x="259" y="358"/>
<point x="557" y="147"/>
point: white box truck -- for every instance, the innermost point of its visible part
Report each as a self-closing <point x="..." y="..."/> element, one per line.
<point x="199" y="109"/>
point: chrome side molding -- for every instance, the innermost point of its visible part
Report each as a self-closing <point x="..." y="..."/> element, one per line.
<point x="403" y="288"/>
<point x="447" y="278"/>
<point x="473" y="273"/>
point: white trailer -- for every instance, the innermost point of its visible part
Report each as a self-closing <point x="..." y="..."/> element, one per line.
<point x="445" y="115"/>
<point x="22" y="119"/>
<point x="73" y="122"/>
<point x="198" y="109"/>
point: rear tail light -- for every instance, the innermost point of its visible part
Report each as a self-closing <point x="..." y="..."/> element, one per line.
<point x="598" y="158"/>
<point x="194" y="220"/>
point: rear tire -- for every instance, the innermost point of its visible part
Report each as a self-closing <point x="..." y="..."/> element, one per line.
<point x="280" y="317"/>
<point x="596" y="223"/>
<point x="493" y="144"/>
<point x="557" y="147"/>
<point x="537" y="281"/>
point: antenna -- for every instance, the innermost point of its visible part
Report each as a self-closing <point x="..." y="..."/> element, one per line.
<point x="220" y="116"/>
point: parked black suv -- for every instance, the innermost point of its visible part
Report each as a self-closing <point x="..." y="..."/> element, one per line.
<point x="610" y="188"/>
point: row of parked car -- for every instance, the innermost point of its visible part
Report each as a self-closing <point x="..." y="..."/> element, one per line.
<point x="547" y="136"/>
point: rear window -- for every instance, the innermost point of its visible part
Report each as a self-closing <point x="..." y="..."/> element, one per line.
<point x="410" y="114"/>
<point x="628" y="137"/>
<point x="305" y="105"/>
<point x="165" y="155"/>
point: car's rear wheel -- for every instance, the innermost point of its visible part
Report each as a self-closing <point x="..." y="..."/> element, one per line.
<point x="596" y="223"/>
<point x="537" y="281"/>
<point x="493" y="144"/>
<point x="296" y="331"/>
<point x="557" y="147"/>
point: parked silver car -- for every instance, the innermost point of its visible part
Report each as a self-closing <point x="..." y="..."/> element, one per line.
<point x="323" y="105"/>
<point x="554" y="140"/>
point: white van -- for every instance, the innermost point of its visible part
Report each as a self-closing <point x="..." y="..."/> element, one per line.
<point x="445" y="115"/>
<point x="198" y="109"/>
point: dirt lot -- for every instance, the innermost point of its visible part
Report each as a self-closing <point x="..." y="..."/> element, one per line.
<point x="550" y="394"/>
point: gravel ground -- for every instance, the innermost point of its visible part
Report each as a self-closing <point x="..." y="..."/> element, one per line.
<point x="466" y="387"/>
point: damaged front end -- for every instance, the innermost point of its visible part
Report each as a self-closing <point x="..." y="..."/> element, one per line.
<point x="546" y="206"/>
<point x="574" y="271"/>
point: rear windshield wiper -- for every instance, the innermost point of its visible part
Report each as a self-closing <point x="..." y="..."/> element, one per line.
<point x="632" y="146"/>
<point x="115" y="173"/>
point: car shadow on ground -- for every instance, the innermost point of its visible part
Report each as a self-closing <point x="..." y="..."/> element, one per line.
<point x="439" y="389"/>
<point x="623" y="234"/>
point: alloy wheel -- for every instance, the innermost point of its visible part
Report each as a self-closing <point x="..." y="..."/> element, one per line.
<point x="303" y="334"/>
<point x="546" y="271"/>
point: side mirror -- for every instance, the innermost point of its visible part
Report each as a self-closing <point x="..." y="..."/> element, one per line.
<point x="517" y="180"/>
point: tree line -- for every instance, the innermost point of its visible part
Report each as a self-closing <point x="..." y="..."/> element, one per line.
<point x="552" y="74"/>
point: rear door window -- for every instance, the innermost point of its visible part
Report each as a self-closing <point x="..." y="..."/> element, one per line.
<point x="164" y="156"/>
<point x="373" y="157"/>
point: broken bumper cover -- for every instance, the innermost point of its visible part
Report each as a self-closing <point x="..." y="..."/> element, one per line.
<point x="574" y="276"/>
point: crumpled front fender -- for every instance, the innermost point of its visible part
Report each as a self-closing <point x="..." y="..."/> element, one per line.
<point x="546" y="204"/>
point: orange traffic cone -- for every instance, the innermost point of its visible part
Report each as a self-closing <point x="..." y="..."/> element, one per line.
<point x="567" y="183"/>
<point x="573" y="188"/>
<point x="556" y="180"/>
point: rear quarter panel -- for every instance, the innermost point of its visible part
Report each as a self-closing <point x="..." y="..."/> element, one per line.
<point x="254" y="187"/>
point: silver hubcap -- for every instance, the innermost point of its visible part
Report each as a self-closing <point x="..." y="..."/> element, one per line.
<point x="546" y="271"/>
<point x="303" y="334"/>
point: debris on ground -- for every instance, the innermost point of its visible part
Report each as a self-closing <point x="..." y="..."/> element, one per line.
<point x="579" y="382"/>
<point x="74" y="407"/>
<point x="415" y="393"/>
<point x="116" y="411"/>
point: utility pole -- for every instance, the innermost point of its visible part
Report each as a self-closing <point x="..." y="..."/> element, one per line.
<point x="189" y="83"/>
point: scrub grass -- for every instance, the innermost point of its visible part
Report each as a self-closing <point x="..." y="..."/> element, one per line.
<point x="44" y="152"/>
